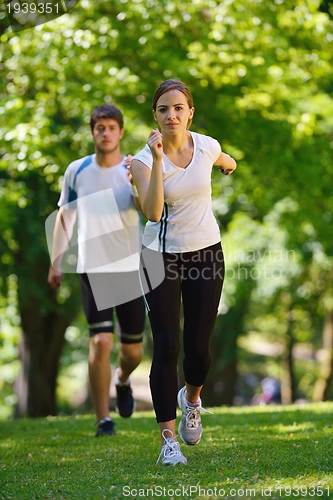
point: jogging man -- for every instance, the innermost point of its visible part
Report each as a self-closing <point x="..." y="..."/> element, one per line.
<point x="99" y="195"/>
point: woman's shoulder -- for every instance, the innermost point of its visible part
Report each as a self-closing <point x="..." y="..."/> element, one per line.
<point x="144" y="156"/>
<point x="207" y="144"/>
<point x="204" y="139"/>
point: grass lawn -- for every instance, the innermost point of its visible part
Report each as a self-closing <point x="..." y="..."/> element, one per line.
<point x="250" y="452"/>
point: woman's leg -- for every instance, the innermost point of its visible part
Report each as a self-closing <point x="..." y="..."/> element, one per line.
<point x="164" y="305"/>
<point x="201" y="291"/>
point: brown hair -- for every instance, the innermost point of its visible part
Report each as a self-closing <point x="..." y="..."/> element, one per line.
<point x="107" y="111"/>
<point x="173" y="85"/>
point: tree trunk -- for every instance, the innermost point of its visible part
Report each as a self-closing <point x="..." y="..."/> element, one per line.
<point x="21" y="383"/>
<point x="288" y="385"/>
<point x="43" y="319"/>
<point x="220" y="385"/>
<point x="322" y="385"/>
<point x="40" y="351"/>
<point x="221" y="390"/>
<point x="230" y="377"/>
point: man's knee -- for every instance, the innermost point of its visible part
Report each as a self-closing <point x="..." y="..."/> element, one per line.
<point x="101" y="343"/>
<point x="132" y="352"/>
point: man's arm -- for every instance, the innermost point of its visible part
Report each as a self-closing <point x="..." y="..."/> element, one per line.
<point x="136" y="200"/>
<point x="62" y="234"/>
<point x="135" y="193"/>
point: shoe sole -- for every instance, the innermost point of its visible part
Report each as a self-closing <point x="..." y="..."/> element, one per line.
<point x="174" y="465"/>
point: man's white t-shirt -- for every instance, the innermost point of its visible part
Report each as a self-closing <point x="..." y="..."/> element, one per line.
<point x="108" y="222"/>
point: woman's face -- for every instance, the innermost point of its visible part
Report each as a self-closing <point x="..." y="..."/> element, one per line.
<point x="173" y="112"/>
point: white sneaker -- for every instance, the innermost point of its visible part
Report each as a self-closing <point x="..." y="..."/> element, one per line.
<point x="190" y="427"/>
<point x="170" y="452"/>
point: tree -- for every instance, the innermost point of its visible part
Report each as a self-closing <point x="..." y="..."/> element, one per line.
<point x="261" y="77"/>
<point x="327" y="6"/>
<point x="43" y="319"/>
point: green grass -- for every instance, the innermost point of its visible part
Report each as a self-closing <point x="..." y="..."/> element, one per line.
<point x="263" y="452"/>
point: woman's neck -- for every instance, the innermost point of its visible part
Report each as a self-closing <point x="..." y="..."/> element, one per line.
<point x="177" y="143"/>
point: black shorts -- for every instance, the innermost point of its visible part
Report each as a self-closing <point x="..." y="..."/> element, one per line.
<point x="130" y="316"/>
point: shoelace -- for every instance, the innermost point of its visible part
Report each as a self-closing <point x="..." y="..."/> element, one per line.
<point x="170" y="447"/>
<point x="193" y="415"/>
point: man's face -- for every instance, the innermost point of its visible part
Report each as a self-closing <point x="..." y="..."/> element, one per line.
<point x="107" y="135"/>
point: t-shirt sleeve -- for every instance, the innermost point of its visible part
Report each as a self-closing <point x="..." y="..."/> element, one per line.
<point x="66" y="195"/>
<point x="214" y="149"/>
<point x="211" y="147"/>
<point x="145" y="157"/>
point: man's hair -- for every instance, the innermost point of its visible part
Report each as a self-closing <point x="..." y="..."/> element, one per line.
<point x="107" y="111"/>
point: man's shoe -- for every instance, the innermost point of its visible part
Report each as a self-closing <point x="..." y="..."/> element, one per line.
<point x="105" y="427"/>
<point x="125" y="402"/>
<point x="190" y="428"/>
<point x="170" y="452"/>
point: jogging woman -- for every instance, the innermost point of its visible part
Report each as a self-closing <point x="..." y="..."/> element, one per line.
<point x="173" y="177"/>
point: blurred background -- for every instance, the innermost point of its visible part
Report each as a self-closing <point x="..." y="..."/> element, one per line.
<point x="261" y="74"/>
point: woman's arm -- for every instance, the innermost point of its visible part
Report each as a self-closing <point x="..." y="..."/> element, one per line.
<point x="226" y="164"/>
<point x="150" y="188"/>
<point x="149" y="183"/>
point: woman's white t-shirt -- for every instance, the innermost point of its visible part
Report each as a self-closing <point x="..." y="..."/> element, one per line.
<point x="187" y="223"/>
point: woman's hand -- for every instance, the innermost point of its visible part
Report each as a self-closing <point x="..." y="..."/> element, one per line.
<point x="155" y="143"/>
<point x="226" y="171"/>
<point x="150" y="182"/>
<point x="127" y="163"/>
<point x="226" y="164"/>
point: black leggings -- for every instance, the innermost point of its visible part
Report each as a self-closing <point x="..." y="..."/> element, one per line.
<point x="197" y="278"/>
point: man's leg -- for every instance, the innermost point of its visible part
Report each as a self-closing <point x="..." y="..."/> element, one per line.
<point x="100" y="348"/>
<point x="130" y="356"/>
<point x="131" y="317"/>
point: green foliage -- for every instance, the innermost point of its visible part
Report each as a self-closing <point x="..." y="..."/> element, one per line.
<point x="267" y="71"/>
<point x="266" y="277"/>
<point x="9" y="340"/>
<point x="261" y="75"/>
<point x="327" y="6"/>
<point x="268" y="448"/>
